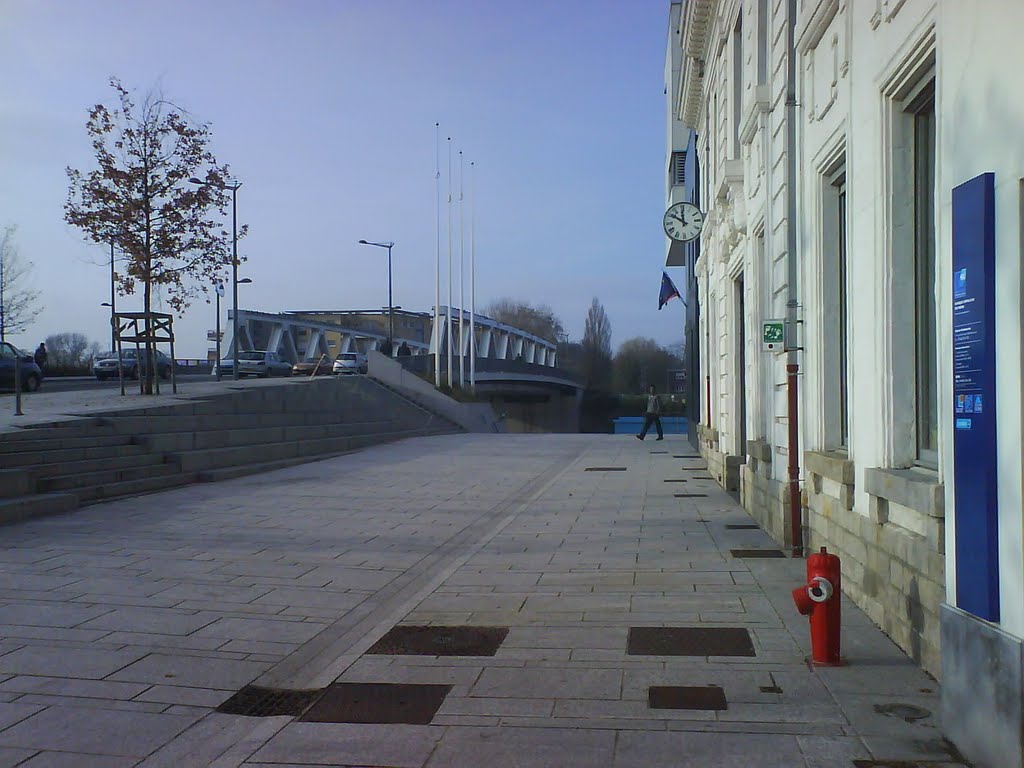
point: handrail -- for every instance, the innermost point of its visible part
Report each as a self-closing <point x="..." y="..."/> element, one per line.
<point x="316" y="368"/>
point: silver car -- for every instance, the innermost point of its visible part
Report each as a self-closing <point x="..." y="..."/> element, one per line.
<point x="350" y="362"/>
<point x="262" y="363"/>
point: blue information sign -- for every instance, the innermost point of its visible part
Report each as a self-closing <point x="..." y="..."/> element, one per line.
<point x="974" y="398"/>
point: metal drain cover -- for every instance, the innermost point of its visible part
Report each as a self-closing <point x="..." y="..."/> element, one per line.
<point x="441" y="641"/>
<point x="686" y="697"/>
<point x="689" y="495"/>
<point x="605" y="469"/>
<point x="908" y="712"/>
<point x="676" y="480"/>
<point x="757" y="553"/>
<point x="689" y="641"/>
<point x="254" y="701"/>
<point x="685" y="456"/>
<point x="377" y="703"/>
<point x="742" y="526"/>
<point x="703" y="477"/>
<point x="906" y="763"/>
<point x="656" y="452"/>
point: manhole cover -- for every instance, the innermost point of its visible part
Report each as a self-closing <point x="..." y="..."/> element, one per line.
<point x="742" y="526"/>
<point x="686" y="697"/>
<point x="440" y="641"/>
<point x="757" y="552"/>
<point x="675" y="480"/>
<point x="689" y="641"/>
<point x="254" y="701"/>
<point x="907" y="712"/>
<point x="605" y="469"/>
<point x="689" y="495"/>
<point x="377" y="703"/>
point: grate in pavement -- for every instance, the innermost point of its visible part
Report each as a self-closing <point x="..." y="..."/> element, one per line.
<point x="742" y="526"/>
<point x="254" y="701"/>
<point x="605" y="469"/>
<point x="689" y="641"/>
<point x="906" y="764"/>
<point x="689" y="495"/>
<point x="757" y="553"/>
<point x="686" y="697"/>
<point x="654" y="452"/>
<point x="908" y="712"/>
<point x="685" y="456"/>
<point x="675" y="480"/>
<point x="377" y="703"/>
<point x="440" y="641"/>
<point x="703" y="477"/>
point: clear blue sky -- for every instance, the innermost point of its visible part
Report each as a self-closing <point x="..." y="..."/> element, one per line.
<point x="325" y="110"/>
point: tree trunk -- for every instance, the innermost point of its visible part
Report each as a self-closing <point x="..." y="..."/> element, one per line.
<point x="147" y="377"/>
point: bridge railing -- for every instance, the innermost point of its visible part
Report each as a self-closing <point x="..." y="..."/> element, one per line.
<point x="423" y="365"/>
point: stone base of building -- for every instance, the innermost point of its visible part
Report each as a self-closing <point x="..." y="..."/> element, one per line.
<point x="982" y="690"/>
<point x="724" y="467"/>
<point x="764" y="498"/>
<point x="893" y="560"/>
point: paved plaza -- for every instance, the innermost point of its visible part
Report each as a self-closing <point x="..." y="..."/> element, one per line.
<point x="125" y="625"/>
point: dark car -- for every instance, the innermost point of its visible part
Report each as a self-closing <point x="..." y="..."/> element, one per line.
<point x="105" y="367"/>
<point x="319" y="367"/>
<point x="31" y="374"/>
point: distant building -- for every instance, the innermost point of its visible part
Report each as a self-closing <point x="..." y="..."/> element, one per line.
<point x="840" y="151"/>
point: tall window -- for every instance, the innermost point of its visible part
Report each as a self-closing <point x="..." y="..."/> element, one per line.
<point x="834" y="273"/>
<point x="844" y="396"/>
<point x="922" y="109"/>
<point x="762" y="42"/>
<point x="737" y="83"/>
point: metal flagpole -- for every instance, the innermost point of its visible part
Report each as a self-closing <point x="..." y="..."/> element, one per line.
<point x="472" y="276"/>
<point x="437" y="261"/>
<point x="449" y="327"/>
<point x="462" y="280"/>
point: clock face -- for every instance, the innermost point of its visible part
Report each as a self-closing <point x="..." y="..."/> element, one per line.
<point x="683" y="221"/>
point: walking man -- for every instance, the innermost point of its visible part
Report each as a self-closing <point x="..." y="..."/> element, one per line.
<point x="653" y="415"/>
<point x="40" y="355"/>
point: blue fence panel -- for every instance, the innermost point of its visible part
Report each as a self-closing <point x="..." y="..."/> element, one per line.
<point x="671" y="425"/>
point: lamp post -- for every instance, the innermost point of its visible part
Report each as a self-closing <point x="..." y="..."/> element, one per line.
<point x="113" y="311"/>
<point x="233" y="186"/>
<point x="391" y="306"/>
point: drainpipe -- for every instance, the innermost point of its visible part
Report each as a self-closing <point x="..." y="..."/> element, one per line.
<point x="792" y="365"/>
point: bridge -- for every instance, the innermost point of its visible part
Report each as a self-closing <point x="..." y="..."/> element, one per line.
<point x="310" y="334"/>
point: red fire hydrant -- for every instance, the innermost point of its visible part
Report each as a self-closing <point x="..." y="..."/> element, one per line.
<point x="819" y="598"/>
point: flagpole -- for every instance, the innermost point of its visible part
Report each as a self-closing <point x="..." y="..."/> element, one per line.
<point x="472" y="276"/>
<point x="449" y="326"/>
<point x="437" y="260"/>
<point x="462" y="279"/>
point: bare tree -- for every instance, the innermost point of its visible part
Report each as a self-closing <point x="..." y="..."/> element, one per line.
<point x="597" y="347"/>
<point x="18" y="304"/>
<point x="541" y="320"/>
<point x="67" y="350"/>
<point x="640" y="362"/>
<point x="140" y="198"/>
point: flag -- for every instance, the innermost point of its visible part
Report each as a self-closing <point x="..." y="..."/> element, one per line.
<point x="668" y="291"/>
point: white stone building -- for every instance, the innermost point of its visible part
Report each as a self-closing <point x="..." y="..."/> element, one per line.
<point x="830" y="135"/>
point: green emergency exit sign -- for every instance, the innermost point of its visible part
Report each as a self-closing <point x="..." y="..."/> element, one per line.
<point x="773" y="335"/>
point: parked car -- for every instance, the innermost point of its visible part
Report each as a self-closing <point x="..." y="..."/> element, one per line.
<point x="262" y="363"/>
<point x="318" y="367"/>
<point x="31" y="374"/>
<point x="350" y="362"/>
<point x="226" y="366"/>
<point x="133" y="364"/>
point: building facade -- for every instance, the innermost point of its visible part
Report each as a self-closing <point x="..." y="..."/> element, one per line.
<point x="861" y="175"/>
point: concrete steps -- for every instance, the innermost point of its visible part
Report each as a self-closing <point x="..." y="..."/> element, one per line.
<point x="51" y="468"/>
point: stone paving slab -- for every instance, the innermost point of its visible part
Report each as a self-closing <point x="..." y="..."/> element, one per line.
<point x="126" y="624"/>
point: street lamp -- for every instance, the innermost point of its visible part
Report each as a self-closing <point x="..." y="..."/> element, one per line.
<point x="233" y="186"/>
<point x="391" y="306"/>
<point x="218" y="289"/>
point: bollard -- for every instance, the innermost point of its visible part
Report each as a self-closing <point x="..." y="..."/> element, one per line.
<point x="17" y="384"/>
<point x="820" y="599"/>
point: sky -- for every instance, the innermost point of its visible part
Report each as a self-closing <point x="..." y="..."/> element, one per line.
<point x="325" y="110"/>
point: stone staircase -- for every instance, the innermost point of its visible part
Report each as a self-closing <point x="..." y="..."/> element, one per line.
<point x="59" y="466"/>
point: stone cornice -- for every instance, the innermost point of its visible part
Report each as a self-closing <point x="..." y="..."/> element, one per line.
<point x="697" y="17"/>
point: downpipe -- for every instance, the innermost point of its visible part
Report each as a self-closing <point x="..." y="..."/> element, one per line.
<point x="792" y="364"/>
